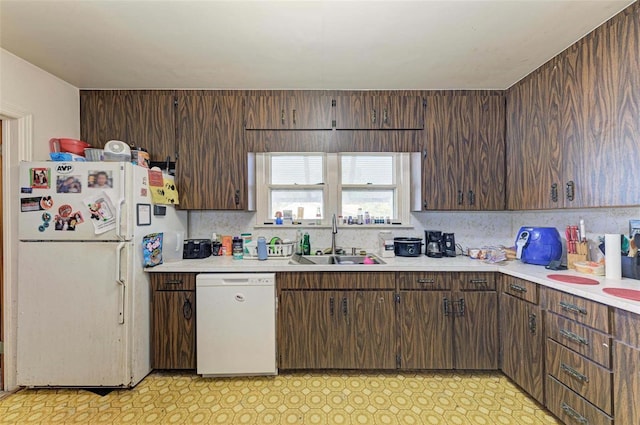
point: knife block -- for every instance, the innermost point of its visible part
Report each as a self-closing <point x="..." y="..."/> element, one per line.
<point x="572" y="259"/>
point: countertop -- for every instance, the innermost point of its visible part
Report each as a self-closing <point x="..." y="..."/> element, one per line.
<point x="537" y="274"/>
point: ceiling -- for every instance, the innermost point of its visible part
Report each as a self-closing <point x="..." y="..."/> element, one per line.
<point x="120" y="44"/>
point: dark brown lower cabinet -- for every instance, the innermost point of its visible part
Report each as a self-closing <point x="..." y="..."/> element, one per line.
<point x="337" y="330"/>
<point x="173" y="321"/>
<point x="475" y="330"/>
<point x="426" y="334"/>
<point x="626" y="368"/>
<point x="522" y="344"/>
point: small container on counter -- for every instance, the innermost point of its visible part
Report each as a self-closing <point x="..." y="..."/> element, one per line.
<point x="237" y="249"/>
<point x="262" y="248"/>
<point x="226" y="245"/>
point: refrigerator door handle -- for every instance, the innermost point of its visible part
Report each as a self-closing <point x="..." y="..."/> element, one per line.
<point x="121" y="205"/>
<point x="120" y="281"/>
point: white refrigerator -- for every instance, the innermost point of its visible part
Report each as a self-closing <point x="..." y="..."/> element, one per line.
<point x="83" y="295"/>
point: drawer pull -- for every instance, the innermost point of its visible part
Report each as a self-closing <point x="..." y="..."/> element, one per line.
<point x="517" y="288"/>
<point x="572" y="308"/>
<point x="572" y="412"/>
<point x="479" y="281"/>
<point x="425" y="281"/>
<point x="445" y="306"/>
<point x="173" y="282"/>
<point x="573" y="337"/>
<point x="571" y="371"/>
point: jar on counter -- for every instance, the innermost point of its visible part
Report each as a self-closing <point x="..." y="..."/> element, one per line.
<point x="237" y="249"/>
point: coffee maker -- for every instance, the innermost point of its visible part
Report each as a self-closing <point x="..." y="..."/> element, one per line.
<point x="449" y="245"/>
<point x="434" y="243"/>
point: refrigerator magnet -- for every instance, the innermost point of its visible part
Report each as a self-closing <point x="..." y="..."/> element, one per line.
<point x="68" y="184"/>
<point x="40" y="178"/>
<point x="101" y="213"/>
<point x="31" y="204"/>
<point x="143" y="214"/>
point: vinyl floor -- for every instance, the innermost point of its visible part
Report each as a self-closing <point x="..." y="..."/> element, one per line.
<point x="440" y="398"/>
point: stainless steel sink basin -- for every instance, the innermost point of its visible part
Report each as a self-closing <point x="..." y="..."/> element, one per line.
<point x="335" y="259"/>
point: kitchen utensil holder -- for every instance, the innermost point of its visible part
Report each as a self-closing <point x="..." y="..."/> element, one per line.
<point x="631" y="267"/>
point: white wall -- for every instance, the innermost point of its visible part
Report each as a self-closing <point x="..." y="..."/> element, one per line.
<point x="34" y="106"/>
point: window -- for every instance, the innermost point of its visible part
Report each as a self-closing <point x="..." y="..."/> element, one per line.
<point x="309" y="187"/>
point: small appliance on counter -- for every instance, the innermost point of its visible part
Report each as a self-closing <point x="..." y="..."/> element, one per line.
<point x="449" y="244"/>
<point x="196" y="248"/>
<point x="407" y="247"/>
<point x="434" y="243"/>
<point x="538" y="245"/>
<point x="386" y="244"/>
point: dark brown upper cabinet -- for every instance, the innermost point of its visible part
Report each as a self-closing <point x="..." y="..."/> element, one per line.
<point x="211" y="169"/>
<point x="143" y="118"/>
<point x="463" y="166"/>
<point x="288" y="112"/>
<point x="573" y="124"/>
<point x="373" y="112"/>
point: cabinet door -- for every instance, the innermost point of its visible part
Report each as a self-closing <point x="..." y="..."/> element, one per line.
<point x="371" y="333"/>
<point x="144" y="118"/>
<point x="210" y="172"/>
<point x="173" y="330"/>
<point x="534" y="147"/>
<point x="442" y="169"/>
<point x="310" y="329"/>
<point x="288" y="112"/>
<point x="626" y="384"/>
<point x="356" y="112"/>
<point x="475" y="329"/>
<point x="521" y="344"/>
<point x="426" y="332"/>
<point x="484" y="174"/>
<point x="400" y="112"/>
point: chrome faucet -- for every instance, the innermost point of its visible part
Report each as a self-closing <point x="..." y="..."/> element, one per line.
<point x="334" y="231"/>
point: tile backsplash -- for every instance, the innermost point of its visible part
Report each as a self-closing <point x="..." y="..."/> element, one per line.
<point x="472" y="229"/>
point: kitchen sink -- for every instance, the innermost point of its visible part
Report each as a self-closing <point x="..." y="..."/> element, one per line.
<point x="336" y="259"/>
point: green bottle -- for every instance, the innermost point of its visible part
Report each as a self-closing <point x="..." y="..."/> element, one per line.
<point x="306" y="244"/>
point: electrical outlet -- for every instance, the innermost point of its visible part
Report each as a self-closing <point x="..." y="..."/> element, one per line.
<point x="634" y="227"/>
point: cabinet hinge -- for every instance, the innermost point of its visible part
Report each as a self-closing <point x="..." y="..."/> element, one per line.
<point x="333" y="102"/>
<point x="333" y="123"/>
<point x="424" y="103"/>
<point x="175" y="101"/>
<point x="398" y="361"/>
<point x="1" y="347"/>
<point x="397" y="298"/>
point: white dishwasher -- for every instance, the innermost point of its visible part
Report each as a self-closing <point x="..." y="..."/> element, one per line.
<point x="236" y="324"/>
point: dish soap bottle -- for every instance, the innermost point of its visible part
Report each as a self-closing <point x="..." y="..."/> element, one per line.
<point x="306" y="244"/>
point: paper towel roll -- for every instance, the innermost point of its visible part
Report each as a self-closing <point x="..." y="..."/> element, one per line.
<point x="612" y="258"/>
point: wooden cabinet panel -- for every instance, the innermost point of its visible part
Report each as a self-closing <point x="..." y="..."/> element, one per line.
<point x="586" y="378"/>
<point x="626" y="387"/>
<point x="519" y="288"/>
<point x="581" y="310"/>
<point x="359" y="280"/>
<point x="534" y="147"/>
<point x="626" y="327"/>
<point x="173" y="333"/>
<point x="144" y="118"/>
<point x="475" y="281"/>
<point x="210" y="172"/>
<point x="463" y="167"/>
<point x="371" y="338"/>
<point x="426" y="281"/>
<point x="363" y="111"/>
<point x="571" y="408"/>
<point x="173" y="281"/>
<point x="301" y="345"/>
<point x="288" y="112"/>
<point x="522" y="344"/>
<point x="581" y="339"/>
<point x="475" y="330"/>
<point x="426" y="332"/>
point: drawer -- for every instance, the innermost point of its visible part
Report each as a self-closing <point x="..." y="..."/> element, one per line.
<point x="173" y="281"/>
<point x="424" y="281"/>
<point x="581" y="310"/>
<point x="480" y="281"/>
<point x="591" y="381"/>
<point x="571" y="408"/>
<point x="590" y="343"/>
<point x="626" y="327"/>
<point x="520" y="288"/>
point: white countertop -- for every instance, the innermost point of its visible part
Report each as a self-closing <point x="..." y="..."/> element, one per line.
<point x="422" y="263"/>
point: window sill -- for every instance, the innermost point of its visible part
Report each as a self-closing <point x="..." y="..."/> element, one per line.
<point x="340" y="226"/>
